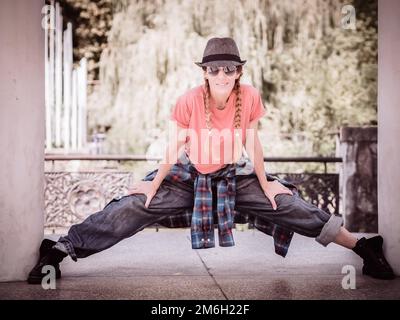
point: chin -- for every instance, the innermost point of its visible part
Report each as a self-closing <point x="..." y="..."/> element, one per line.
<point x="227" y="88"/>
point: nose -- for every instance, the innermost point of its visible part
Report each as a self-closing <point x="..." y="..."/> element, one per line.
<point x="221" y="73"/>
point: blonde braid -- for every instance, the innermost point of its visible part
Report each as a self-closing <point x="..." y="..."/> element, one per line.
<point x="238" y="105"/>
<point x="207" y="105"/>
<point x="238" y="145"/>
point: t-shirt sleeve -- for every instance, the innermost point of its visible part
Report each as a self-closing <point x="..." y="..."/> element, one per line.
<point x="181" y="112"/>
<point x="257" y="109"/>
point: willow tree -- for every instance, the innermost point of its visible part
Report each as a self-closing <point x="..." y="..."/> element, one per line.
<point x="314" y="75"/>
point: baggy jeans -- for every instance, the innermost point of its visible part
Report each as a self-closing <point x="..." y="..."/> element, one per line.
<point x="123" y="217"/>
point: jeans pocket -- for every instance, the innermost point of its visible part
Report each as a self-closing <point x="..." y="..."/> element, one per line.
<point x="116" y="199"/>
<point x="284" y="199"/>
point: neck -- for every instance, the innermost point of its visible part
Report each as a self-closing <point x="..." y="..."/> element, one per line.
<point x="220" y="100"/>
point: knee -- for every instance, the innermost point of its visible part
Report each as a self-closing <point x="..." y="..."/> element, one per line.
<point x="320" y="224"/>
<point x="309" y="219"/>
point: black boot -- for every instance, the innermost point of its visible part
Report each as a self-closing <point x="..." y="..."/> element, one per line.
<point x="375" y="264"/>
<point x="47" y="256"/>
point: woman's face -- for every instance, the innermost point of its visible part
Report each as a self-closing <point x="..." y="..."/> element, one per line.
<point x="222" y="80"/>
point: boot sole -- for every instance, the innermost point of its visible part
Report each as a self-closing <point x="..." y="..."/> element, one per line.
<point x="38" y="279"/>
<point x="382" y="276"/>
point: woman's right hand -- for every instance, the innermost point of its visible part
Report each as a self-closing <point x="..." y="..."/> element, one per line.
<point x="273" y="188"/>
<point x="145" y="187"/>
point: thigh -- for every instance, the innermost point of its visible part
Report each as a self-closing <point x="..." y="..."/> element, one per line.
<point x="250" y="196"/>
<point x="126" y="215"/>
<point x="123" y="217"/>
<point x="292" y="212"/>
<point x="170" y="199"/>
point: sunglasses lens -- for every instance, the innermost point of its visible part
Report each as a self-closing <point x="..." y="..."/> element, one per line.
<point x="228" y="70"/>
<point x="212" y="71"/>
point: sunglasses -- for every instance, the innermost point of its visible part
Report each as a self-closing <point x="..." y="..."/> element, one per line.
<point x="229" y="70"/>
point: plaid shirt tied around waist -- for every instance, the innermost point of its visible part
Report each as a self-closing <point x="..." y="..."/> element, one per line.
<point x="202" y="226"/>
<point x="201" y="218"/>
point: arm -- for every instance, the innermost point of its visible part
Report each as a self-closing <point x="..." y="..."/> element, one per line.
<point x="255" y="152"/>
<point x="171" y="156"/>
<point x="172" y="153"/>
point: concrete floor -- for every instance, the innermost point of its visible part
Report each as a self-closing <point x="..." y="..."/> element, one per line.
<point x="162" y="265"/>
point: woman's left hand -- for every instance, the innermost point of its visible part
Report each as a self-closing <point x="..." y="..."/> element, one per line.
<point x="272" y="188"/>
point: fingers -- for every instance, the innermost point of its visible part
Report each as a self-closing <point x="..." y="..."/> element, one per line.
<point x="133" y="190"/>
<point x="148" y="199"/>
<point x="273" y="203"/>
<point x="272" y="200"/>
<point x="285" y="190"/>
<point x="288" y="191"/>
<point x="136" y="188"/>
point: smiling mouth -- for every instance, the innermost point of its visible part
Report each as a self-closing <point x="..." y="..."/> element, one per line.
<point x="222" y="84"/>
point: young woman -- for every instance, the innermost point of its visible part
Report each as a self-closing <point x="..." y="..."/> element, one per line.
<point x="212" y="173"/>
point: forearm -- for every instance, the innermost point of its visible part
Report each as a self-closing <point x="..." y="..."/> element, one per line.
<point x="259" y="163"/>
<point x="257" y="158"/>
<point x="170" y="158"/>
<point x="161" y="174"/>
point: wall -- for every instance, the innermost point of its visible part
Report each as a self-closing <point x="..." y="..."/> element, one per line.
<point x="22" y="114"/>
<point x="389" y="128"/>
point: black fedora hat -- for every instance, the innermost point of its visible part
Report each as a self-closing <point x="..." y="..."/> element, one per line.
<point x="221" y="52"/>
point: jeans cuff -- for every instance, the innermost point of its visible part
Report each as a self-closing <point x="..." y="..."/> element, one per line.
<point x="330" y="230"/>
<point x="66" y="247"/>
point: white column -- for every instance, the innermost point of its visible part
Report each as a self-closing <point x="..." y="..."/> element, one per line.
<point x="48" y="11"/>
<point x="51" y="94"/>
<point x="22" y="136"/>
<point x="74" y="112"/>
<point x="389" y="128"/>
<point x="58" y="75"/>
<point x="82" y="83"/>
<point x="67" y="75"/>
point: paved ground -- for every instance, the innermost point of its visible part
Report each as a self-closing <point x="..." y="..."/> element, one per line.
<point x="162" y="265"/>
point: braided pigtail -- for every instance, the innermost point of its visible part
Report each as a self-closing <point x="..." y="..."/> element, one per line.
<point x="237" y="138"/>
<point x="206" y="97"/>
<point x="238" y="105"/>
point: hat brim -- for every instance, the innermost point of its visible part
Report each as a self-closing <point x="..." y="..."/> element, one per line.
<point x="220" y="63"/>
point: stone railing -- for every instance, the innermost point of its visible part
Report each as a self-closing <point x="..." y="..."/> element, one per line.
<point x="72" y="196"/>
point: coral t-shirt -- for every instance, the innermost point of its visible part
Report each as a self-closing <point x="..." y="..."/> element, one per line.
<point x="211" y="152"/>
